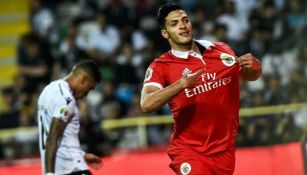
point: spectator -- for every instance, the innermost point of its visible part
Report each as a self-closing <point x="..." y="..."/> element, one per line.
<point x="103" y="44"/>
<point x="117" y="13"/>
<point x="236" y="23"/>
<point x="279" y="62"/>
<point x="35" y="62"/>
<point x="295" y="17"/>
<point x="69" y="51"/>
<point x="9" y="117"/>
<point x="109" y="107"/>
<point x="126" y="66"/>
<point x="42" y="21"/>
<point x="218" y="33"/>
<point x="92" y="137"/>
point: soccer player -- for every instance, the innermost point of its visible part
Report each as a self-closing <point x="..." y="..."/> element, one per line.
<point x="200" y="82"/>
<point x="59" y="121"/>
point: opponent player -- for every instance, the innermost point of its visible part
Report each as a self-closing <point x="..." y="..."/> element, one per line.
<point x="59" y="121"/>
<point x="200" y="82"/>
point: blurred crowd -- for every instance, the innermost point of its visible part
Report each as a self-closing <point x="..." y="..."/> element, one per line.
<point x="123" y="37"/>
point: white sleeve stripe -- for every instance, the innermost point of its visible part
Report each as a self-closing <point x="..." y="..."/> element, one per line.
<point x="153" y="84"/>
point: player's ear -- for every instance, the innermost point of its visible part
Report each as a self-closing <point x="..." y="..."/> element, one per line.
<point x="82" y="79"/>
<point x="164" y="34"/>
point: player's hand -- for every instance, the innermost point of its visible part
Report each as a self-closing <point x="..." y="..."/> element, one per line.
<point x="250" y="67"/>
<point x="248" y="61"/>
<point x="190" y="80"/>
<point x="93" y="161"/>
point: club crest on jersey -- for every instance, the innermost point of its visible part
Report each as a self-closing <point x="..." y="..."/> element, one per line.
<point x="186" y="71"/>
<point x="64" y="111"/>
<point x="148" y="74"/>
<point x="227" y="59"/>
<point x="185" y="168"/>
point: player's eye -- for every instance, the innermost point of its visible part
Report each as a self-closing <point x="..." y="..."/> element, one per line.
<point x="173" y="24"/>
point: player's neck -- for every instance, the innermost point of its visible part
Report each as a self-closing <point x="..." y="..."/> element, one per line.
<point x="186" y="48"/>
<point x="70" y="80"/>
<point x="181" y="47"/>
<point x="195" y="48"/>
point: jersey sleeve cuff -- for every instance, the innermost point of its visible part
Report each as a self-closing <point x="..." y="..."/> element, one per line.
<point x="83" y="153"/>
<point x="154" y="84"/>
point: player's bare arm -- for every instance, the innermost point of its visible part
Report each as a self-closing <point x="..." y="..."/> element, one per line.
<point x="250" y="67"/>
<point x="153" y="98"/>
<point x="56" y="130"/>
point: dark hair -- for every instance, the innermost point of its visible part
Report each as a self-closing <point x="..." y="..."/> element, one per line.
<point x="164" y="10"/>
<point x="90" y="67"/>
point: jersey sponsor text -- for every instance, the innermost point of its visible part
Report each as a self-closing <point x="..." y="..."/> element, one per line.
<point x="207" y="85"/>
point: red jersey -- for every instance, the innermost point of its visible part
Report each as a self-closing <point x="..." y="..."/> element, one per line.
<point x="205" y="116"/>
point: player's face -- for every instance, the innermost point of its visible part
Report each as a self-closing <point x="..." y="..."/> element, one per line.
<point x="85" y="86"/>
<point x="178" y="29"/>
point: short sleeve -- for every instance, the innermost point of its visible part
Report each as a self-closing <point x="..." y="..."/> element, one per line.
<point x="155" y="75"/>
<point x="225" y="48"/>
<point x="64" y="108"/>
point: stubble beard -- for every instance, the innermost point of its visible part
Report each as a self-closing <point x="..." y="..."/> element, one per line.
<point x="186" y="44"/>
<point x="181" y="42"/>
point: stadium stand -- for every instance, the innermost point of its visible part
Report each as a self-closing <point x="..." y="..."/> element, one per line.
<point x="13" y="23"/>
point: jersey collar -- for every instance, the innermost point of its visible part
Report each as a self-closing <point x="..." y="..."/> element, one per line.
<point x="185" y="54"/>
<point x="181" y="54"/>
<point x="66" y="84"/>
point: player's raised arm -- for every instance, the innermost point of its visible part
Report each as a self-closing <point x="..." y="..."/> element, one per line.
<point x="250" y="67"/>
<point x="153" y="98"/>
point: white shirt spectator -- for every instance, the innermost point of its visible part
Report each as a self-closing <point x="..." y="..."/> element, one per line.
<point x="279" y="64"/>
<point x="236" y="26"/>
<point x="105" y="41"/>
<point x="43" y="22"/>
<point x="139" y="40"/>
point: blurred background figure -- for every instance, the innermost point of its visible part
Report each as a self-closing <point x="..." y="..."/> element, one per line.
<point x="10" y="112"/>
<point x="104" y="42"/>
<point x="42" y="21"/>
<point x="35" y="62"/>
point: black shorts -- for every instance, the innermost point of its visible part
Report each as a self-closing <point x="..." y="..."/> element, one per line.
<point x="85" y="172"/>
